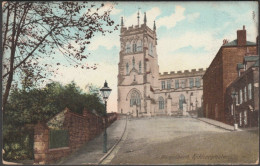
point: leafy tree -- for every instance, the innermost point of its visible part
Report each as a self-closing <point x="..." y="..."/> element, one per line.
<point x="33" y="31"/>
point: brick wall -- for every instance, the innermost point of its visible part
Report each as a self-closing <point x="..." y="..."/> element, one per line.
<point x="218" y="76"/>
<point x="81" y="128"/>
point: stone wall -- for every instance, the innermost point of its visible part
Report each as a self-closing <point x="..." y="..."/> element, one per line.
<point x="81" y="128"/>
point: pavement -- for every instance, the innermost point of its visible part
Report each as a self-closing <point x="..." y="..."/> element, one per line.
<point x="218" y="124"/>
<point x="92" y="151"/>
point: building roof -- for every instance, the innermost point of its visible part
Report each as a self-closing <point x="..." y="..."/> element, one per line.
<point x="234" y="43"/>
<point x="251" y="58"/>
<point x="240" y="66"/>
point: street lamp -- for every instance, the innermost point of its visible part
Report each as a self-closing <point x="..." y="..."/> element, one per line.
<point x="105" y="92"/>
<point x="233" y="95"/>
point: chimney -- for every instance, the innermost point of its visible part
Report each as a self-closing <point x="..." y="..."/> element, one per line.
<point x="241" y="37"/>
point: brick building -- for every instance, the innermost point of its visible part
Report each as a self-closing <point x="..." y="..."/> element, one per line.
<point x="246" y="86"/>
<point x="221" y="72"/>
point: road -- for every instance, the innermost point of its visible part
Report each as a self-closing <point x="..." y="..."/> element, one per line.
<point x="169" y="140"/>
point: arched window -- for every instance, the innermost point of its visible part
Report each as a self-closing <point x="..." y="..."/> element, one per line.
<point x="135" y="99"/>
<point x="140" y="66"/>
<point x="128" y="47"/>
<point x="161" y="103"/>
<point x="150" y="49"/>
<point x="127" y="68"/>
<point x="139" y="45"/>
<point x="133" y="61"/>
<point x="181" y="101"/>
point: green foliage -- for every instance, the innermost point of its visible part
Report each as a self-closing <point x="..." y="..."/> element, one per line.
<point x="59" y="138"/>
<point x="28" y="106"/>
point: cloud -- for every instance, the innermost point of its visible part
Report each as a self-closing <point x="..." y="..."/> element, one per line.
<point x="168" y="60"/>
<point x="193" y="16"/>
<point x="109" y="5"/>
<point x="151" y="15"/>
<point x="96" y="77"/>
<point x="108" y="41"/>
<point x="170" y="21"/>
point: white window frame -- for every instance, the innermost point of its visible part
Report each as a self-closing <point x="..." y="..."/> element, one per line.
<point x="163" y="84"/>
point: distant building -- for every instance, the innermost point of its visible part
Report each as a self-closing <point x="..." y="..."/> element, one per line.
<point x="221" y="72"/>
<point x="142" y="91"/>
<point x="246" y="85"/>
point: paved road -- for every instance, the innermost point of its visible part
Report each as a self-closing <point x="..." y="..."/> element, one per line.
<point x="168" y="140"/>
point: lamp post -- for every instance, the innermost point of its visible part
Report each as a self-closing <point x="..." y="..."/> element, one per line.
<point x="233" y="95"/>
<point x="105" y="92"/>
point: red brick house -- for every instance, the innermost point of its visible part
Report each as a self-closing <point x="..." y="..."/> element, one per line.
<point x="221" y="72"/>
<point x="246" y="85"/>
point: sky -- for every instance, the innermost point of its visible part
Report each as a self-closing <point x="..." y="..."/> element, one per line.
<point x="189" y="36"/>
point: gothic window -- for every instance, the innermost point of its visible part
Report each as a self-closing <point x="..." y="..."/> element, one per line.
<point x="127" y="68"/>
<point x="140" y="66"/>
<point x="128" y="47"/>
<point x="161" y="103"/>
<point x="191" y="82"/>
<point x="133" y="61"/>
<point x="168" y="84"/>
<point x="198" y="82"/>
<point x="135" y="99"/>
<point x="150" y="49"/>
<point x="182" y="83"/>
<point x="176" y="84"/>
<point x="249" y="91"/>
<point x="139" y="46"/>
<point x="245" y="94"/>
<point x="134" y="47"/>
<point x="163" y="84"/>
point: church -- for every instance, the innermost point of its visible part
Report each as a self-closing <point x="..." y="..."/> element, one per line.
<point x="142" y="90"/>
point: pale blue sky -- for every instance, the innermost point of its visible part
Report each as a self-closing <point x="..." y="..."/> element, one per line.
<point x="189" y="36"/>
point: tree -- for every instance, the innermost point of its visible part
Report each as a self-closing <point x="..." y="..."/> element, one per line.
<point x="33" y="31"/>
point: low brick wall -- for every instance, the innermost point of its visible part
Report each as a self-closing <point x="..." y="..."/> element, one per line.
<point x="81" y="128"/>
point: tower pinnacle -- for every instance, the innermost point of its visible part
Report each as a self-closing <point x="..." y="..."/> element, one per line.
<point x="138" y="17"/>
<point x="145" y="18"/>
<point x="154" y="26"/>
<point x="122" y="22"/>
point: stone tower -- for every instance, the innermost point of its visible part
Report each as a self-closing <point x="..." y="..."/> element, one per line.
<point x="138" y="69"/>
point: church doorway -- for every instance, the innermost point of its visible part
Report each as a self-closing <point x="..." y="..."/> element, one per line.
<point x="181" y="101"/>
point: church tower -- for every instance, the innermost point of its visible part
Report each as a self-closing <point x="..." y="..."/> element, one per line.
<point x="138" y="69"/>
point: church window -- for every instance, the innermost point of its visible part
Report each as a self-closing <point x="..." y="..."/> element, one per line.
<point x="191" y="82"/>
<point x="139" y="46"/>
<point x="128" y="47"/>
<point x="135" y="99"/>
<point x="133" y="61"/>
<point x="176" y="84"/>
<point x="150" y="49"/>
<point x="140" y="67"/>
<point x="161" y="103"/>
<point x="127" y="68"/>
<point x="163" y="84"/>
<point x="134" y="47"/>
<point x="168" y="84"/>
<point x="182" y="83"/>
<point x="198" y="82"/>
